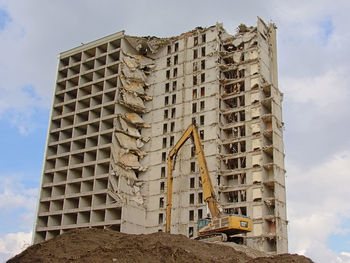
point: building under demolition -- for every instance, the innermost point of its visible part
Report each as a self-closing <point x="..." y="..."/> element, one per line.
<point x="122" y="102"/>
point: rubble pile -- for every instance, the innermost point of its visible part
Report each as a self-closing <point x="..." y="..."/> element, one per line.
<point x="97" y="245"/>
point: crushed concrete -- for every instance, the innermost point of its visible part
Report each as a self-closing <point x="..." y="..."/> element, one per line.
<point x="97" y="245"/>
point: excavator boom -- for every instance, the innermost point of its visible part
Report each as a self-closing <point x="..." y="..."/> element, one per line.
<point x="227" y="224"/>
<point x="208" y="191"/>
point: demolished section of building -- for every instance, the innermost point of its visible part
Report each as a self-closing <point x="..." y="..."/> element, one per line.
<point x="120" y="104"/>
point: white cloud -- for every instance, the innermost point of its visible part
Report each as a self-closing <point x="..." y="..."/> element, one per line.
<point x="327" y="91"/>
<point x="13" y="243"/>
<point x="13" y="195"/>
<point x="17" y="203"/>
<point x="317" y="205"/>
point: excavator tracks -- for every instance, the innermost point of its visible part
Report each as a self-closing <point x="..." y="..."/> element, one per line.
<point x="213" y="237"/>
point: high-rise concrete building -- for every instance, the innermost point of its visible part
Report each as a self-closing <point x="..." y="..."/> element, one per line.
<point x="122" y="102"/>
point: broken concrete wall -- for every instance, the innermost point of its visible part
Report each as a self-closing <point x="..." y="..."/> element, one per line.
<point x="128" y="140"/>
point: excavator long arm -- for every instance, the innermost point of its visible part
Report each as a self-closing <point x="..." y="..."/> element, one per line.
<point x="208" y="191"/>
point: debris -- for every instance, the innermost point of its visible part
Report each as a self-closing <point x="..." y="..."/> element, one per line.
<point x="91" y="245"/>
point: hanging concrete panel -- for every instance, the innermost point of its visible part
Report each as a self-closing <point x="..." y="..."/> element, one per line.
<point x="257" y="211"/>
<point x="258" y="229"/>
<point x="134" y="118"/>
<point x="254" y="83"/>
<point x="257" y="177"/>
<point x="257" y="193"/>
<point x="254" y="69"/>
<point x="129" y="129"/>
<point x="126" y="141"/>
<point x="256" y="144"/>
<point x="133" y="101"/>
<point x="253" y="54"/>
<point x="255" y="112"/>
<point x="255" y="97"/>
<point x="256" y="160"/>
<point x="255" y="128"/>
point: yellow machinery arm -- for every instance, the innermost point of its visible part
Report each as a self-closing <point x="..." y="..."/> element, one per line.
<point x="208" y="191"/>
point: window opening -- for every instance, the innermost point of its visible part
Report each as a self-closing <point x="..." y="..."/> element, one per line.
<point x="203" y="51"/>
<point x="203" y="64"/>
<point x="192" y="182"/>
<point x="193" y="167"/>
<point x="194" y="107"/>
<point x="202" y="91"/>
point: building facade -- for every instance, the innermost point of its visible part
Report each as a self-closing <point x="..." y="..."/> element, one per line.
<point x="122" y="102"/>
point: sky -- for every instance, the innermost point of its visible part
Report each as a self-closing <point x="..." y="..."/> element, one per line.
<point x="313" y="59"/>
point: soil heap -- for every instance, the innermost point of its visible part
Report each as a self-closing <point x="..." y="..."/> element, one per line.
<point x="97" y="245"/>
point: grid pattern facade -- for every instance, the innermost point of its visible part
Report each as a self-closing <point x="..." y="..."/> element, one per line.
<point x="77" y="161"/>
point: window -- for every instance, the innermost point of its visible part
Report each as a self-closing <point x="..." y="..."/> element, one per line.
<point x="171" y="140"/>
<point x="203" y="64"/>
<point x="194" y="80"/>
<point x="161" y="202"/>
<point x="201" y="120"/>
<point x="195" y="41"/>
<point x="194" y="121"/>
<point x="192" y="182"/>
<point x="175" y="73"/>
<point x="166" y="100"/>
<point x="193" y="167"/>
<point x="194" y="107"/>
<point x="169" y="49"/>
<point x="203" y="51"/>
<point x="202" y="105"/>
<point x="176" y="47"/>
<point x="201" y="134"/>
<point x="200" y="213"/>
<point x="168" y="61"/>
<point x="202" y="91"/>
<point x="194" y="94"/>
<point x="199" y="182"/>
<point x="195" y="66"/>
<point x="195" y="53"/>
<point x="176" y="58"/>
<point x="200" y="198"/>
<point x="165" y="128"/>
<point x="191" y="215"/>
<point x="190" y="231"/>
<point x="202" y="77"/>
<point x="191" y="199"/>
<point x="167" y="87"/>
<point x="173" y="112"/>
<point x="162" y="186"/>
<point x="162" y="172"/>
<point x="163" y="156"/>
<point x="172" y="126"/>
<point x="166" y="112"/>
<point x="174" y="99"/>
<point x="164" y="142"/>
<point x="204" y="38"/>
<point x="174" y="85"/>
<point x="193" y="151"/>
<point x="160" y="218"/>
<point x="168" y="74"/>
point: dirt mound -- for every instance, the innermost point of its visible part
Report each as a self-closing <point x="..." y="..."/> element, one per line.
<point x="96" y="245"/>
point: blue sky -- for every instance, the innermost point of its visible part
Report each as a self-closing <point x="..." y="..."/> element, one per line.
<point x="4" y="18"/>
<point x="313" y="58"/>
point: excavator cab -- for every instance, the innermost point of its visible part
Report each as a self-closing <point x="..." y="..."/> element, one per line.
<point x="203" y="223"/>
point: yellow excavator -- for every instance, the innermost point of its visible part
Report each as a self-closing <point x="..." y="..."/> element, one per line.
<point x="220" y="224"/>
